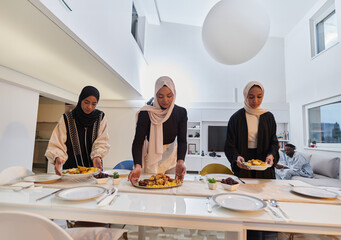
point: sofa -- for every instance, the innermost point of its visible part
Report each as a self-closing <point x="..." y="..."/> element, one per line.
<point x="326" y="170"/>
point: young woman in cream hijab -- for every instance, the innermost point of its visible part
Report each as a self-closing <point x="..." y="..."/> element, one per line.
<point x="251" y="134"/>
<point x="160" y="142"/>
<point x="81" y="136"/>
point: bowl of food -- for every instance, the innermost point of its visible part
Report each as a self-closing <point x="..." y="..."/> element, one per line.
<point x="101" y="178"/>
<point x="229" y="184"/>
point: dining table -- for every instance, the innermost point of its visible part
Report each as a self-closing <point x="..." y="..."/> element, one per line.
<point x="191" y="205"/>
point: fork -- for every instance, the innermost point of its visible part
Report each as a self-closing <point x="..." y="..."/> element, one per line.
<point x="209" y="207"/>
<point x="104" y="196"/>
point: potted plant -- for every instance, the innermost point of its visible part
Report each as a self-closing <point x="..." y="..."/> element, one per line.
<point x="313" y="144"/>
<point x="116" y="177"/>
<point x="212" y="184"/>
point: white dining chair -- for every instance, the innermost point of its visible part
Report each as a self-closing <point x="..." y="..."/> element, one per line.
<point x="12" y="174"/>
<point x="17" y="225"/>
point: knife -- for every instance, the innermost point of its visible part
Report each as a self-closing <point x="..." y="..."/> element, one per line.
<point x="38" y="199"/>
<point x="111" y="191"/>
<point x="241" y="180"/>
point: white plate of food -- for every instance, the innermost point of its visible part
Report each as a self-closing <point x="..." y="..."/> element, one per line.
<point x="239" y="202"/>
<point x="256" y="164"/>
<point x="80" y="172"/>
<point x="81" y="193"/>
<point x="121" y="172"/>
<point x="315" y="192"/>
<point x="42" y="178"/>
<point x="219" y="176"/>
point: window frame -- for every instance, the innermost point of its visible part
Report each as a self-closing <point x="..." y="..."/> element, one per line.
<point x="319" y="146"/>
<point x="322" y="14"/>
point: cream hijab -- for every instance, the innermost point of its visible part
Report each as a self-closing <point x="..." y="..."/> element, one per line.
<point x="254" y="111"/>
<point x="157" y="116"/>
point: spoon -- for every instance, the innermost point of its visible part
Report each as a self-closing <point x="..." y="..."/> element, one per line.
<point x="274" y="203"/>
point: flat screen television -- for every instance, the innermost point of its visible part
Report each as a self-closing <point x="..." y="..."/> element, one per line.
<point x="216" y="138"/>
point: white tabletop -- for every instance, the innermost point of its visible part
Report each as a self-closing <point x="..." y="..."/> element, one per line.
<point x="179" y="212"/>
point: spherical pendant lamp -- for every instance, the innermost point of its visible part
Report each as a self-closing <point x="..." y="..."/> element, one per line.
<point x="234" y="31"/>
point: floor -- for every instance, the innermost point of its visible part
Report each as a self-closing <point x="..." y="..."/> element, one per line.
<point x="158" y="233"/>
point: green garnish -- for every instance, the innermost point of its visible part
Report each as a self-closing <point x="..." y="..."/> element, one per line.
<point x="212" y="180"/>
<point x="116" y="175"/>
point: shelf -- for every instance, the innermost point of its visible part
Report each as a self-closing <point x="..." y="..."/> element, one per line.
<point x="283" y="140"/>
<point x="193" y="155"/>
<point x="322" y="149"/>
<point x="193" y="130"/>
<point x="41" y="140"/>
<point x="47" y="122"/>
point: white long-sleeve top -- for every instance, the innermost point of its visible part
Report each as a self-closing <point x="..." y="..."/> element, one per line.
<point x="297" y="166"/>
<point x="252" y="126"/>
<point x="57" y="147"/>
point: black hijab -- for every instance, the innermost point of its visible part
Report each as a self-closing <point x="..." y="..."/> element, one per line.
<point x="84" y="119"/>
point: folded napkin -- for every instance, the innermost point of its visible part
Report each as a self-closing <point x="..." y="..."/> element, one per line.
<point x="23" y="184"/>
<point x="107" y="200"/>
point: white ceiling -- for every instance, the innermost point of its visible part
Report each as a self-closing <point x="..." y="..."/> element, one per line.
<point x="284" y="14"/>
<point x="32" y="44"/>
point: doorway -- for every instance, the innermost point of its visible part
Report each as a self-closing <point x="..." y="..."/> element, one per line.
<point x="49" y="113"/>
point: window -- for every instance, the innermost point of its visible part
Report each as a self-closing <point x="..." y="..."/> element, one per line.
<point x="323" y="123"/>
<point x="138" y="28"/>
<point x="134" y="19"/>
<point x="323" y="28"/>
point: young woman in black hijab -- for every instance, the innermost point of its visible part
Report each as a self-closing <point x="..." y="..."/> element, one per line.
<point x="81" y="136"/>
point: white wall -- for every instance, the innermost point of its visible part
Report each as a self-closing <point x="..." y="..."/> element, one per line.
<point x="121" y="116"/>
<point x="309" y="79"/>
<point x="121" y="128"/>
<point x="104" y="27"/>
<point x="177" y="50"/>
<point x="17" y="125"/>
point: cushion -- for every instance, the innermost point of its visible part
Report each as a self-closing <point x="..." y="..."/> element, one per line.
<point x="327" y="166"/>
<point x="307" y="156"/>
<point x="95" y="233"/>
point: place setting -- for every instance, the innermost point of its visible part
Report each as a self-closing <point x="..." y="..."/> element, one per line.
<point x="315" y="192"/>
<point x="246" y="203"/>
<point x="103" y="196"/>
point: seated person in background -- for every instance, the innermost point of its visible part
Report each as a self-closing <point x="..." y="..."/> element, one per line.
<point x="292" y="164"/>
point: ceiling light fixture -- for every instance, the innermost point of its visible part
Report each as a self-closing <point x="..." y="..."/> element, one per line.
<point x="234" y="31"/>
